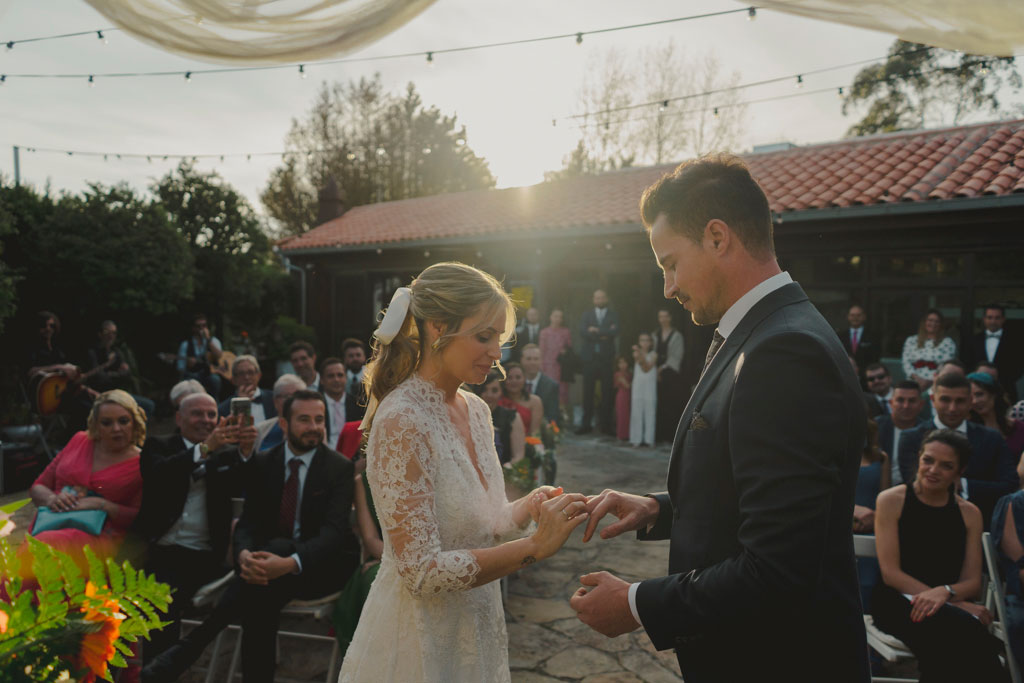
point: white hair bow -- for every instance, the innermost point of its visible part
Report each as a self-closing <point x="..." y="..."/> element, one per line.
<point x="394" y="317"/>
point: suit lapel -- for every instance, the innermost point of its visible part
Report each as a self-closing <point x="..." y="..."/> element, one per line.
<point x="276" y="475"/>
<point x="784" y="296"/>
<point x="317" y="474"/>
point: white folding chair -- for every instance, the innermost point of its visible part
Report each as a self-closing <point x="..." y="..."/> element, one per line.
<point x="997" y="592"/>
<point x="889" y="647"/>
<point x="207" y="595"/>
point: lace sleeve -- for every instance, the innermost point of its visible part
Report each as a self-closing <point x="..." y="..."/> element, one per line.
<point x="400" y="470"/>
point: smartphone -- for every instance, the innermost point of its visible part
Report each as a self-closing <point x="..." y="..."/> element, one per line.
<point x="241" y="408"/>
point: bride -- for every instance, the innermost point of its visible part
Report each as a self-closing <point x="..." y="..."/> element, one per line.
<point x="434" y="612"/>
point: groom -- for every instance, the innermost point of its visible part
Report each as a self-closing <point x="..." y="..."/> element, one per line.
<point x="761" y="584"/>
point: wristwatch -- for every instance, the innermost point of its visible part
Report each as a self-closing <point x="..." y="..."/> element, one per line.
<point x="952" y="593"/>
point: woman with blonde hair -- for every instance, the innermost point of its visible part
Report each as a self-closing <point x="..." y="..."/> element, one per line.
<point x="97" y="471"/>
<point x="434" y="612"/>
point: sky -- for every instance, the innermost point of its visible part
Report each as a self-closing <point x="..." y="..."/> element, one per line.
<point x="506" y="97"/>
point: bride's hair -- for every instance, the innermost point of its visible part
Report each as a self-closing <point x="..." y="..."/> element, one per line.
<point x="446" y="293"/>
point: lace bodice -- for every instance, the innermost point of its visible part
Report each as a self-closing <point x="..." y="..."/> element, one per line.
<point x="431" y="502"/>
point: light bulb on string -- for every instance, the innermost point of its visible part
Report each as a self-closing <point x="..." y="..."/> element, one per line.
<point x="381" y="151"/>
<point x="149" y="159"/>
<point x="664" y="106"/>
<point x="430" y="58"/>
<point x="92" y="82"/>
<point x="984" y="68"/>
<point x="840" y="93"/>
<point x="101" y="37"/>
<point x="10" y="44"/>
<point x="351" y="156"/>
<point x="579" y="38"/>
<point x="248" y="157"/>
<point x="188" y="76"/>
<point x="427" y="150"/>
<point x="302" y="70"/>
<point x="460" y="141"/>
<point x="799" y="81"/>
<point x="554" y="123"/>
<point x="752" y="14"/>
<point x="3" y="79"/>
<point x="715" y="112"/>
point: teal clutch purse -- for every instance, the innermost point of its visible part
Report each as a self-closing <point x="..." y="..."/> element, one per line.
<point x="89" y="521"/>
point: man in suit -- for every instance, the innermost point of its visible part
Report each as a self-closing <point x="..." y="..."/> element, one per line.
<point x="995" y="345"/>
<point x="540" y="384"/>
<point x="527" y="332"/>
<point x="269" y="432"/>
<point x="764" y="463"/>
<point x="353" y="353"/>
<point x="991" y="472"/>
<point x="182" y="529"/>
<point x="904" y="413"/>
<point x="879" y="392"/>
<point x="599" y="327"/>
<point x="293" y="541"/>
<point x="333" y="379"/>
<point x="245" y="375"/>
<point x="859" y="341"/>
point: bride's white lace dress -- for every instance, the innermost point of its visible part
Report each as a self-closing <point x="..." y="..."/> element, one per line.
<point x="422" y="620"/>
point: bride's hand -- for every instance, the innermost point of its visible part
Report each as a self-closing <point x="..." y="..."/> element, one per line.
<point x="538" y="496"/>
<point x="558" y="517"/>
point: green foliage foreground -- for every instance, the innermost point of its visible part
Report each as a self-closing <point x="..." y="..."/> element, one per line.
<point x="71" y="624"/>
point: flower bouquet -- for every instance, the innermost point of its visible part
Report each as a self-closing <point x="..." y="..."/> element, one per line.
<point x="61" y="625"/>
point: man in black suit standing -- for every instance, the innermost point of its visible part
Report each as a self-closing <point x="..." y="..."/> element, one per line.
<point x="904" y="414"/>
<point x="184" y="524"/>
<point x="353" y="354"/>
<point x="995" y="345"/>
<point x="858" y="340"/>
<point x="764" y="463"/>
<point x="540" y="384"/>
<point x="527" y="332"/>
<point x="599" y="327"/>
<point x="991" y="472"/>
<point x="293" y="540"/>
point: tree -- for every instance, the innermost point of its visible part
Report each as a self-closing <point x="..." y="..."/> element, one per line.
<point x="698" y="112"/>
<point x="920" y="86"/>
<point x="234" y="273"/>
<point x="376" y="147"/>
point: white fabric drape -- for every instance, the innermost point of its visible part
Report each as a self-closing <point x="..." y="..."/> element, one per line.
<point x="259" y="31"/>
<point x="984" y="27"/>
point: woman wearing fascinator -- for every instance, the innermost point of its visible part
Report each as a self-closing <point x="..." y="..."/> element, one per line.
<point x="434" y="612"/>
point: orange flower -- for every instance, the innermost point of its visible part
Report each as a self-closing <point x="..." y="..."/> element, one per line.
<point x="554" y="427"/>
<point x="3" y="622"/>
<point x="533" y="441"/>
<point x="98" y="647"/>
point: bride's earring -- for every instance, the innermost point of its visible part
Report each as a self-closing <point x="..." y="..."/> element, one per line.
<point x="436" y="344"/>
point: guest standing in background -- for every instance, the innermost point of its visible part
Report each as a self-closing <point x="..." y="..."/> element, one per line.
<point x="672" y="395"/>
<point x="925" y="351"/>
<point x="555" y="339"/>
<point x="858" y="339"/>
<point x="623" y="381"/>
<point x="644" y="397"/>
<point x="997" y="346"/>
<point x="599" y="327"/>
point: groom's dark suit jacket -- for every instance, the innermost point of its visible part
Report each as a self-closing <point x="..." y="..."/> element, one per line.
<point x="762" y="583"/>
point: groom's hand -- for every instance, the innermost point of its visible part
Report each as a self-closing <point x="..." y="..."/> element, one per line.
<point x="634" y="512"/>
<point x="605" y="607"/>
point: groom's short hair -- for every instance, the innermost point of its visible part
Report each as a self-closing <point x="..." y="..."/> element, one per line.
<point x="714" y="186"/>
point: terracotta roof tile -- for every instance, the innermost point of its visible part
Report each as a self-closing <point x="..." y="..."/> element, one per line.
<point x="966" y="161"/>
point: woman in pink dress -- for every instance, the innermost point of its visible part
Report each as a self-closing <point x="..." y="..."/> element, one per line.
<point x="101" y="467"/>
<point x="553" y="339"/>
<point x="623" y="379"/>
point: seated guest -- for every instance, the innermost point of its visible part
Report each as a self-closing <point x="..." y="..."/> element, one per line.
<point x="182" y="389"/>
<point x="246" y="375"/>
<point x="952" y="366"/>
<point x="879" y="391"/>
<point x="990" y="368"/>
<point x="514" y="395"/>
<point x="904" y="413"/>
<point x="929" y="550"/>
<point x="989" y="408"/>
<point x="280" y="553"/>
<point x="990" y="473"/>
<point x="197" y="353"/>
<point x="188" y="481"/>
<point x="106" y="367"/>
<point x="44" y="358"/>
<point x="353" y="352"/>
<point x="510" y="434"/>
<point x="925" y="351"/>
<point x="97" y="470"/>
<point x="1008" y="538"/>
<point x="873" y="478"/>
<point x="303" y="358"/>
<point x="539" y="384"/>
<point x="269" y="432"/>
<point x="333" y="379"/>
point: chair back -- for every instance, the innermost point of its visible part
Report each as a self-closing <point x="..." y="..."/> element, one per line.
<point x="864" y="545"/>
<point x="997" y="588"/>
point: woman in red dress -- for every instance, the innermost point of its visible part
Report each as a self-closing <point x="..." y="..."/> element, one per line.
<point x="101" y="468"/>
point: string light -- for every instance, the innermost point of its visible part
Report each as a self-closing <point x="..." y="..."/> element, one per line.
<point x="579" y="38"/>
<point x="381" y="151"/>
<point x="430" y="58"/>
<point x="984" y="68"/>
<point x="10" y="44"/>
<point x="427" y="150"/>
<point x="799" y="81"/>
<point x="351" y="156"/>
<point x="188" y="76"/>
<point x="92" y="83"/>
<point x="664" y="106"/>
<point x="554" y="123"/>
<point x="3" y="79"/>
<point x="716" y="111"/>
<point x="752" y="14"/>
<point x="99" y="34"/>
<point x="840" y="92"/>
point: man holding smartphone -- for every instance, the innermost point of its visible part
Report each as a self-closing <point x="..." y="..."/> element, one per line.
<point x="246" y="375"/>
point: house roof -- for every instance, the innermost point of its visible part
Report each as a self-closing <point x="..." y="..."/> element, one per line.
<point x="918" y="166"/>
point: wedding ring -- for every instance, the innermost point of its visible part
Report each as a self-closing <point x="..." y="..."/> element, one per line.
<point x="566" y="514"/>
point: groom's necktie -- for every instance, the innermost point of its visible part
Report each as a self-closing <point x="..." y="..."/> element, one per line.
<point x="716" y="343"/>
